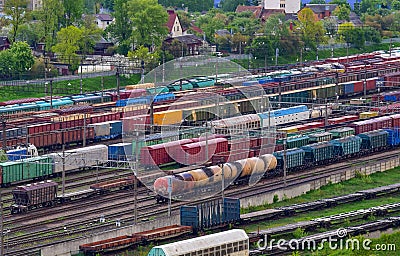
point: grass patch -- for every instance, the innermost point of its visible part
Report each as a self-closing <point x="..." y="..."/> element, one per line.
<point x="364" y="204"/>
<point x="361" y="182"/>
<point x="63" y="88"/>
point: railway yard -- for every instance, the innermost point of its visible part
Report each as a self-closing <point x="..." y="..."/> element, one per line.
<point x="153" y="164"/>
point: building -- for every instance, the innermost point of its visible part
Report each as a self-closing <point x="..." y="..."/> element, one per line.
<point x="322" y="11"/>
<point x="103" y="20"/>
<point x="35" y="5"/>
<point x="289" y="6"/>
<point x="174" y="25"/>
<point x="4" y="43"/>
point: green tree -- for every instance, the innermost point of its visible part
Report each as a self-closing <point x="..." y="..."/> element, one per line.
<point x="317" y="2"/>
<point x="231" y="5"/>
<point x="50" y="16"/>
<point x="68" y="43"/>
<point x="342" y="12"/>
<point x="121" y="29"/>
<point x="31" y="33"/>
<point x="17" y="10"/>
<point x="312" y="30"/>
<point x="142" y="54"/>
<point x="6" y="63"/>
<point x="73" y="10"/>
<point x="90" y="34"/>
<point x="192" y="5"/>
<point x="149" y="19"/>
<point x="22" y="56"/>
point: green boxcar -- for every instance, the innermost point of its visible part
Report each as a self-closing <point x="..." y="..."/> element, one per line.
<point x="347" y="146"/>
<point x="320" y="136"/>
<point x="176" y="87"/>
<point x="37" y="167"/>
<point x="374" y="139"/>
<point x="294" y="158"/>
<point x="318" y="152"/>
<point x="342" y="132"/>
<point x="296" y="141"/>
<point x="26" y="169"/>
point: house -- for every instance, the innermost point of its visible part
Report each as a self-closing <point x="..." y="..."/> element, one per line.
<point x="259" y="12"/>
<point x="101" y="46"/>
<point x="4" y="43"/>
<point x="192" y="42"/>
<point x="322" y="11"/>
<point x="35" y="5"/>
<point x="289" y="6"/>
<point x="174" y="25"/>
<point x="103" y="20"/>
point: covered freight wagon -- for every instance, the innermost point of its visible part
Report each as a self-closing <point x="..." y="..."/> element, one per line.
<point x="33" y="196"/>
<point x="294" y="159"/>
<point x="347" y="146"/>
<point x="374" y="140"/>
<point x="318" y="153"/>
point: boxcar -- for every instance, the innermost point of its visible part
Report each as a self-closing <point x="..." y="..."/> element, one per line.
<point x="374" y="140"/>
<point x="33" y="196"/>
<point x="294" y="159"/>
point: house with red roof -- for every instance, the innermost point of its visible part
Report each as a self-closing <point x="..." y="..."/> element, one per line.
<point x="174" y="25"/>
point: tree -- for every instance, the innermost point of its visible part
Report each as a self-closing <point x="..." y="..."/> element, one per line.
<point x="73" y="11"/>
<point x="6" y="63"/>
<point x="192" y="5"/>
<point x="317" y="2"/>
<point x="231" y="5"/>
<point x="342" y="12"/>
<point x="22" y="56"/>
<point x="121" y="29"/>
<point x="149" y="19"/>
<point x="312" y="30"/>
<point x="17" y="10"/>
<point x="142" y="54"/>
<point x="50" y="16"/>
<point x="68" y="42"/>
<point x="31" y="33"/>
<point x="90" y="35"/>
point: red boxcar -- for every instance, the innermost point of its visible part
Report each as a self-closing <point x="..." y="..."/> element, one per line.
<point x="196" y="152"/>
<point x="104" y="117"/>
<point x="395" y="120"/>
<point x="135" y="123"/>
<point x="162" y="153"/>
<point x="371" y="83"/>
<point x="42" y="128"/>
<point x="382" y="122"/>
<point x="363" y="126"/>
<point x="358" y="86"/>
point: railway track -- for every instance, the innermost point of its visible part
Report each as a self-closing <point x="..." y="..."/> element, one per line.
<point x="125" y="214"/>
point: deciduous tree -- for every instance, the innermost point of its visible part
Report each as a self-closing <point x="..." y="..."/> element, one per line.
<point x="17" y="10"/>
<point x="68" y="43"/>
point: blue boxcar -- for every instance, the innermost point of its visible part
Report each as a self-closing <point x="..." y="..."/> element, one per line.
<point x="294" y="158"/>
<point x="318" y="152"/>
<point x="212" y="213"/>
<point x="119" y="151"/>
<point x="249" y="83"/>
<point x="348" y="88"/>
<point x="115" y="129"/>
<point x="393" y="136"/>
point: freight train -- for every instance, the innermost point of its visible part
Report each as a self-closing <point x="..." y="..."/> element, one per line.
<point x="304" y="157"/>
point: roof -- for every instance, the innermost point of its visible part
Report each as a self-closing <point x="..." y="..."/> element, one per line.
<point x="256" y="10"/>
<point x="187" y="39"/>
<point x="266" y="13"/>
<point x="171" y="19"/>
<point x="321" y="8"/>
<point x="203" y="242"/>
<point x="196" y="29"/>
<point x="104" y="17"/>
<point x="34" y="186"/>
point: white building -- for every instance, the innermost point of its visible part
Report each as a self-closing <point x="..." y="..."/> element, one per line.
<point x="103" y="20"/>
<point x="174" y="25"/>
<point x="290" y="6"/>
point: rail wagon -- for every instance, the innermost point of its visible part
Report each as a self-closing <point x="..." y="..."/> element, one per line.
<point x="318" y="153"/>
<point x="342" y="132"/>
<point x="347" y="146"/>
<point x="374" y="140"/>
<point x="319" y="137"/>
<point x="294" y="159"/>
<point x="393" y="136"/>
<point x="34" y="196"/>
<point x="26" y="169"/>
<point x="233" y="241"/>
<point x="79" y="158"/>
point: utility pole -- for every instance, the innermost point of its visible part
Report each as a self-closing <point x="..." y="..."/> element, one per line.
<point x="51" y="94"/>
<point x="102" y="89"/>
<point x="284" y="160"/>
<point x="135" y="189"/>
<point x="117" y="75"/>
<point x="84" y="130"/>
<point x="63" y="162"/>
<point x="81" y="75"/>
<point x="3" y="123"/>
